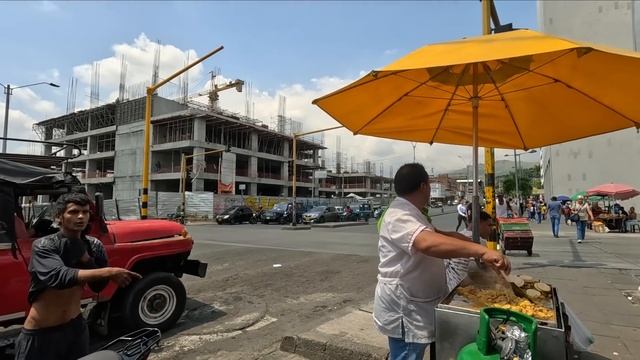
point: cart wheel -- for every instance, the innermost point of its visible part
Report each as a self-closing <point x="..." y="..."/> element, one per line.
<point x="529" y="252"/>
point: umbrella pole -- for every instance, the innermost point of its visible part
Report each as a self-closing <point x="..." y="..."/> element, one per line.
<point x="475" y="103"/>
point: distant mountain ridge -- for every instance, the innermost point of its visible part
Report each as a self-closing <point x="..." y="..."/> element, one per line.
<point x="503" y="167"/>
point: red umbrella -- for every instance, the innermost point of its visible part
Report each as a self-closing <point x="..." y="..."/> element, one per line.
<point x="616" y="191"/>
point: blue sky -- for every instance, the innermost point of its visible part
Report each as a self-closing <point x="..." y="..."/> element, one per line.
<point x="278" y="46"/>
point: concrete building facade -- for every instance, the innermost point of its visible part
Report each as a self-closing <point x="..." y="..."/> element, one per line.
<point x="112" y="136"/>
<point x="578" y="165"/>
<point x="364" y="184"/>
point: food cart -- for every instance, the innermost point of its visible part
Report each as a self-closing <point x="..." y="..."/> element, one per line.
<point x="457" y="318"/>
<point x="515" y="234"/>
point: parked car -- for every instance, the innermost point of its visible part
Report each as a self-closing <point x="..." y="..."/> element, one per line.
<point x="321" y="214"/>
<point x="278" y="214"/>
<point x="340" y="210"/>
<point x="159" y="250"/>
<point x="235" y="215"/>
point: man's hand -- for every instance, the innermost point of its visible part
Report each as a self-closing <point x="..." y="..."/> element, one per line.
<point x="123" y="277"/>
<point x="497" y="260"/>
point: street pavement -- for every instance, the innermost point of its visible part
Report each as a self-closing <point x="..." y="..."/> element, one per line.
<point x="265" y="284"/>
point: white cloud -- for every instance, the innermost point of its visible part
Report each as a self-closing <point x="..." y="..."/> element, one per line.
<point x="139" y="56"/>
<point x="26" y="98"/>
<point x="441" y="158"/>
<point x="48" y="6"/>
<point x="51" y="75"/>
<point x="20" y="126"/>
<point x="391" y="51"/>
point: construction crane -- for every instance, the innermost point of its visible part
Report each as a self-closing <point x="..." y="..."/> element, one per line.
<point x="214" y="89"/>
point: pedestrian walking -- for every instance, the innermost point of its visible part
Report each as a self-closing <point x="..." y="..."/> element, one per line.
<point x="411" y="272"/>
<point x="581" y="213"/>
<point x="462" y="213"/>
<point x="555" y="210"/>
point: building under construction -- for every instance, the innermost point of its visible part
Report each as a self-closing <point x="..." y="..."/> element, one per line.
<point x="111" y="139"/>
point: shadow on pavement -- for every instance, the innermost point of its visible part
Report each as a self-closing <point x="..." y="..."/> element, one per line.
<point x="196" y="313"/>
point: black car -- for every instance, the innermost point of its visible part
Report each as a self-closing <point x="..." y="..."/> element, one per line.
<point x="235" y="215"/>
<point x="279" y="214"/>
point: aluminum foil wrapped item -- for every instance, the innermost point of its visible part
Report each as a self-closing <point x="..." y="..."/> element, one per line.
<point x="521" y="338"/>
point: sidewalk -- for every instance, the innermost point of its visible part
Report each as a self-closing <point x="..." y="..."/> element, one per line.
<point x="596" y="279"/>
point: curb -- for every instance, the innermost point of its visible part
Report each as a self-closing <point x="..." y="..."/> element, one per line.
<point x="352" y="336"/>
<point x="315" y="349"/>
<point x="340" y="225"/>
<point x="295" y="228"/>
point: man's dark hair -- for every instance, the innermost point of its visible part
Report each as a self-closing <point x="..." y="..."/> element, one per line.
<point x="484" y="216"/>
<point x="77" y="198"/>
<point x="553" y="198"/>
<point x="409" y="178"/>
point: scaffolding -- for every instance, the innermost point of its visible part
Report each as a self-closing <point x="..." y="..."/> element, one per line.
<point x="77" y="122"/>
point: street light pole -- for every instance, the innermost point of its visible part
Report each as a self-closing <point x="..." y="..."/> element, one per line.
<point x="515" y="159"/>
<point x="414" y="151"/>
<point x="8" y="90"/>
<point x="293" y="162"/>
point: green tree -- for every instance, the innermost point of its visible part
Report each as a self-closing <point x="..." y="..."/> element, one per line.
<point x="524" y="185"/>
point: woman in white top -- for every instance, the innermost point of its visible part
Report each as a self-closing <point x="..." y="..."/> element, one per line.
<point x="583" y="210"/>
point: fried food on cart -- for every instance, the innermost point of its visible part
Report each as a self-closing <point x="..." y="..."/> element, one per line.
<point x="504" y="300"/>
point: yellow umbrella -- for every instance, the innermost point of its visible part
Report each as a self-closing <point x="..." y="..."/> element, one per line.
<point x="533" y="90"/>
<point x="516" y="90"/>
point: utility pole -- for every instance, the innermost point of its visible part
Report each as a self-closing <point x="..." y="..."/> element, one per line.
<point x="147" y="129"/>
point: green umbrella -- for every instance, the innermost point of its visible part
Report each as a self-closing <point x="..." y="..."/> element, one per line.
<point x="574" y="197"/>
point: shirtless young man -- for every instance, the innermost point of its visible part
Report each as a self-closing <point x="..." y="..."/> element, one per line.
<point x="61" y="264"/>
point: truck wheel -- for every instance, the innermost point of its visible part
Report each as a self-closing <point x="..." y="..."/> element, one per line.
<point x="253" y="221"/>
<point x="157" y="300"/>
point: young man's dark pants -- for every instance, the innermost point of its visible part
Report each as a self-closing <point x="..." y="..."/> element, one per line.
<point x="62" y="342"/>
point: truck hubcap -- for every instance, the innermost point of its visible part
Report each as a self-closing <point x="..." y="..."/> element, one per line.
<point x="157" y="304"/>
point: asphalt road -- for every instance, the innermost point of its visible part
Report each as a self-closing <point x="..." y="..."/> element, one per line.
<point x="264" y="283"/>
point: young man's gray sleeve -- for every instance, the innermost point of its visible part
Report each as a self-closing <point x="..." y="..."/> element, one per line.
<point x="100" y="260"/>
<point x="49" y="268"/>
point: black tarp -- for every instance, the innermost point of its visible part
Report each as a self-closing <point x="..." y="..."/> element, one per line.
<point x="21" y="174"/>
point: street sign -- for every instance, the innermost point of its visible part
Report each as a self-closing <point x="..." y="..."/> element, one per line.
<point x="242" y="186"/>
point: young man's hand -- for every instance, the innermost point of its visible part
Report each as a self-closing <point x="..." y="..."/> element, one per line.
<point x="497" y="260"/>
<point x="122" y="277"/>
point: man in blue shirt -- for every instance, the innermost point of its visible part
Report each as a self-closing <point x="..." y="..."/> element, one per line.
<point x="555" y="210"/>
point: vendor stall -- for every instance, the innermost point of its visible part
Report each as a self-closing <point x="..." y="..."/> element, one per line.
<point x="457" y="316"/>
<point x="515" y="234"/>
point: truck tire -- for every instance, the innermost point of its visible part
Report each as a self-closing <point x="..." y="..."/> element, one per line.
<point x="157" y="300"/>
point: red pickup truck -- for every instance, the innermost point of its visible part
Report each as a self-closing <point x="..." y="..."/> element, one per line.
<point x="157" y="249"/>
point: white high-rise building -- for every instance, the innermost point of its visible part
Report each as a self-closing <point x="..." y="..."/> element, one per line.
<point x="578" y="165"/>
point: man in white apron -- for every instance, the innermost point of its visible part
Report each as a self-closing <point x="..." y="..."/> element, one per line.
<point x="412" y="279"/>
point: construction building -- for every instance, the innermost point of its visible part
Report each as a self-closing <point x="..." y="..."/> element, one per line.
<point x="111" y="139"/>
<point x="362" y="184"/>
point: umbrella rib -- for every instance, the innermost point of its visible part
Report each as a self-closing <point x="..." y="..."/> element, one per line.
<point x="506" y="103"/>
<point x="526" y="70"/>
<point x="347" y="88"/>
<point x="518" y="90"/>
<point x="429" y="86"/>
<point x="635" y="123"/>
<point x="428" y="97"/>
<point x="396" y="101"/>
<point x="446" y="108"/>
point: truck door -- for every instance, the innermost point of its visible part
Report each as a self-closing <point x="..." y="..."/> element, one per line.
<point x="14" y="276"/>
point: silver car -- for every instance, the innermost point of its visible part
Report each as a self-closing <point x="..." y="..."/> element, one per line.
<point x="321" y="214"/>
